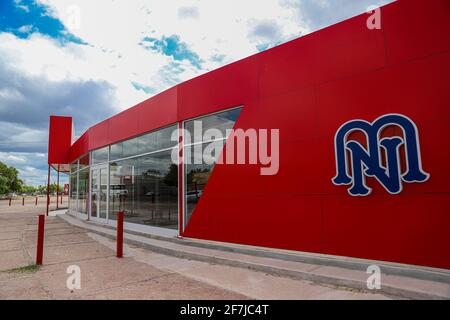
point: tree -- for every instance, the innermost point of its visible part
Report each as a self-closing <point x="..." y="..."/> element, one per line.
<point x="171" y="178"/>
<point x="54" y="187"/>
<point x="4" y="189"/>
<point x="28" y="189"/>
<point x="9" y="179"/>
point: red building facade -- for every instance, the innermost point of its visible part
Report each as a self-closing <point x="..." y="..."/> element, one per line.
<point x="307" y="89"/>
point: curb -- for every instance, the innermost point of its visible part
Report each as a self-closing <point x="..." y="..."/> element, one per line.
<point x="390" y="290"/>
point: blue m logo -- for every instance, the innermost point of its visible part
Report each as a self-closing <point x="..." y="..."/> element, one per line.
<point x="368" y="162"/>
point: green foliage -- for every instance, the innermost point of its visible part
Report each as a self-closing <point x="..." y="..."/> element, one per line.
<point x="10" y="183"/>
<point x="9" y="179"/>
<point x="28" y="189"/>
<point x="54" y="187"/>
<point x="27" y="269"/>
<point x="171" y="178"/>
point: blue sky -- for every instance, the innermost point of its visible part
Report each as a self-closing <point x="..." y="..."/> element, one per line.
<point x="90" y="59"/>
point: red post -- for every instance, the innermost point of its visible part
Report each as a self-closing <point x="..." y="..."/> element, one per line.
<point x="40" y="242"/>
<point x="180" y="180"/>
<point x="23" y="201"/>
<point x="57" y="190"/>
<point x="48" y="190"/>
<point x="120" y="234"/>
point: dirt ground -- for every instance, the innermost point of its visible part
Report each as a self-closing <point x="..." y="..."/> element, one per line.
<point x="103" y="276"/>
<point x="142" y="274"/>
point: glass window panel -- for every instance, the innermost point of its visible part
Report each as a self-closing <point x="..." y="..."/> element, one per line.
<point x="221" y="121"/>
<point x="196" y="175"/>
<point x="73" y="191"/>
<point x="146" y="189"/>
<point x="100" y="155"/>
<point x="116" y="151"/>
<point x="157" y="140"/>
<point x="84" y="162"/>
<point x="124" y="149"/>
<point x="130" y="148"/>
<point x="74" y="166"/>
<point x="83" y="183"/>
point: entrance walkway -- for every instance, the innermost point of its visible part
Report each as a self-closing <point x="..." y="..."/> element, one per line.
<point x="142" y="274"/>
<point x="103" y="276"/>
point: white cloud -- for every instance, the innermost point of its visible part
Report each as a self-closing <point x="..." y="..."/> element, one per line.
<point x="209" y="27"/>
<point x="114" y="71"/>
<point x="12" y="158"/>
<point x="26" y="28"/>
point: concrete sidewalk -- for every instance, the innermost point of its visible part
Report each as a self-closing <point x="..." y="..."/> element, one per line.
<point x="401" y="281"/>
<point x="103" y="276"/>
<point x="142" y="274"/>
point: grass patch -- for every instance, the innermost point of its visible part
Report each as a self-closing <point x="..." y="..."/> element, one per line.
<point x="27" y="269"/>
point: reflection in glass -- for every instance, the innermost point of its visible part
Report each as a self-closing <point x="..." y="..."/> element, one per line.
<point x="158" y="140"/>
<point x="124" y="149"/>
<point x="100" y="155"/>
<point x="94" y="193"/>
<point x="73" y="191"/>
<point x="74" y="167"/>
<point x="199" y="164"/>
<point x="221" y="121"/>
<point x="83" y="184"/>
<point x="103" y="192"/>
<point x="197" y="176"/>
<point x="84" y="162"/>
<point x="146" y="189"/>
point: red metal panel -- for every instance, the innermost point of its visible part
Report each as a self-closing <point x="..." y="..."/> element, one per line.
<point x="308" y="88"/>
<point x="418" y="89"/>
<point x="416" y="28"/>
<point x="281" y="221"/>
<point x="405" y="229"/>
<point x="335" y="52"/>
<point x="98" y="135"/>
<point x="159" y="111"/>
<point x="123" y="125"/>
<point x="301" y="209"/>
<point x="60" y="139"/>
<point x="80" y="147"/>
<point x="231" y="86"/>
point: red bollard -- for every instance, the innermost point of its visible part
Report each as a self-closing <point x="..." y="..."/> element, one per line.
<point x="23" y="201"/>
<point x="120" y="234"/>
<point x="40" y="242"/>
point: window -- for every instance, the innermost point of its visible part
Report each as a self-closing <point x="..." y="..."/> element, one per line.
<point x="84" y="162"/>
<point x="124" y="149"/>
<point x="198" y="168"/>
<point x="144" y="180"/>
<point x="157" y="140"/>
<point x="79" y="180"/>
<point x="74" y="167"/>
<point x="83" y="183"/>
<point x="100" y="155"/>
<point x="73" y="191"/>
<point x="146" y="189"/>
<point x="220" y="121"/>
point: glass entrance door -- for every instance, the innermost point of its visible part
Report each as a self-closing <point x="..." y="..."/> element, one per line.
<point x="99" y="193"/>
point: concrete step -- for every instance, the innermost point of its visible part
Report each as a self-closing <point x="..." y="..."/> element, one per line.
<point x="397" y="280"/>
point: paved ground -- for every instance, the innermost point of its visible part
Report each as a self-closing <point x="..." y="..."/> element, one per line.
<point x="142" y="274"/>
